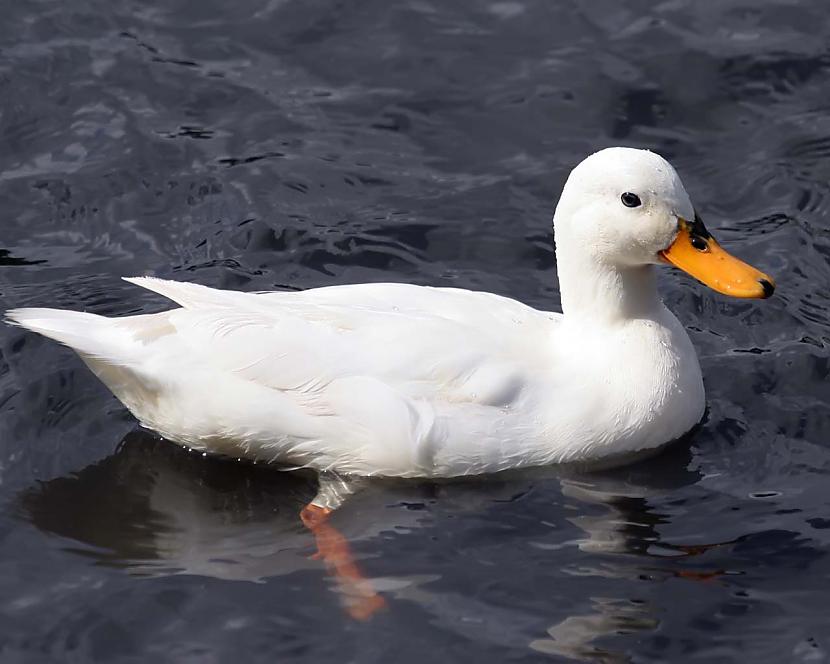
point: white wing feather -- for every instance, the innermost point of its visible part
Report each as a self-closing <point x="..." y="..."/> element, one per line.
<point x="367" y="379"/>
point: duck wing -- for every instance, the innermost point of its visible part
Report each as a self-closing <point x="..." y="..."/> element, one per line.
<point x="424" y="341"/>
<point x="388" y="379"/>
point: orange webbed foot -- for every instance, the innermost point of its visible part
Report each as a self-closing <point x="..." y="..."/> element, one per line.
<point x="362" y="602"/>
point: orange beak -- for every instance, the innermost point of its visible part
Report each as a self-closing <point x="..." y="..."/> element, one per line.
<point x="696" y="252"/>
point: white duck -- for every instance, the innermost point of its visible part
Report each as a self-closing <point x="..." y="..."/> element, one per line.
<point x="409" y="381"/>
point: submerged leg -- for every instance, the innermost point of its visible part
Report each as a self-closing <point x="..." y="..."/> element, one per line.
<point x="333" y="548"/>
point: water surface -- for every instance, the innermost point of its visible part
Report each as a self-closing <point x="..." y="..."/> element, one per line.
<point x="277" y="144"/>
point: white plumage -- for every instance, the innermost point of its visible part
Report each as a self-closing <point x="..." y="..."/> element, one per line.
<point x="401" y="380"/>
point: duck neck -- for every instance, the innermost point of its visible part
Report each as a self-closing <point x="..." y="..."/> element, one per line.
<point x="606" y="293"/>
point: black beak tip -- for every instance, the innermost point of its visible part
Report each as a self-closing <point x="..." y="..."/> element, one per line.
<point x="769" y="289"/>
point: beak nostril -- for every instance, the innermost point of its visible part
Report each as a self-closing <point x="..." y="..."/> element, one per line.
<point x="768" y="287"/>
<point x="699" y="243"/>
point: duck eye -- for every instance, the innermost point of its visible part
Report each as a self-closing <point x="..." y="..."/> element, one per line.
<point x="630" y="200"/>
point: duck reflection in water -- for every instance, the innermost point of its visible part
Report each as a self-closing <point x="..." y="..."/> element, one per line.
<point x="156" y="509"/>
<point x="626" y="525"/>
<point x="170" y="511"/>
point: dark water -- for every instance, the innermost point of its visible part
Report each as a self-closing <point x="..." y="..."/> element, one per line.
<point x="255" y="145"/>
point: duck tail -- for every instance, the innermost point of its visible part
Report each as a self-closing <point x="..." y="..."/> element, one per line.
<point x="89" y="334"/>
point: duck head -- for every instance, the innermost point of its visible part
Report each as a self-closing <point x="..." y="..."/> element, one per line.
<point x="623" y="210"/>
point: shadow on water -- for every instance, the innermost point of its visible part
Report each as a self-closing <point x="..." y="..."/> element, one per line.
<point x="6" y="259"/>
